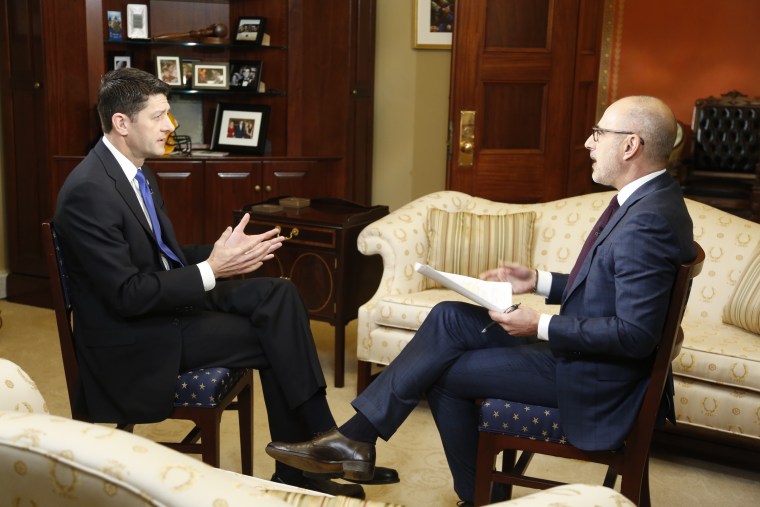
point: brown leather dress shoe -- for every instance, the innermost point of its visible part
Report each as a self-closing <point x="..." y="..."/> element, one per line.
<point x="331" y="453"/>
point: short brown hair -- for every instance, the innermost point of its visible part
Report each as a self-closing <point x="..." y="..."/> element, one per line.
<point x="126" y="91"/>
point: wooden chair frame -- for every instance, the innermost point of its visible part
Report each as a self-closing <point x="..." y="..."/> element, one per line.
<point x="206" y="420"/>
<point x="632" y="461"/>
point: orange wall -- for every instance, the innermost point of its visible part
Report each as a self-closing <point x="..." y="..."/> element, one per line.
<point x="683" y="50"/>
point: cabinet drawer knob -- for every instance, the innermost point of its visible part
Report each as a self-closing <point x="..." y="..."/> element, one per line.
<point x="293" y="232"/>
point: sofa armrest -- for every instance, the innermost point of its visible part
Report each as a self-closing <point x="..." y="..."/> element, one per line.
<point x="400" y="238"/>
<point x="18" y="392"/>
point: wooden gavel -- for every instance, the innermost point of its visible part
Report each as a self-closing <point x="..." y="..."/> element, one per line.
<point x="215" y="30"/>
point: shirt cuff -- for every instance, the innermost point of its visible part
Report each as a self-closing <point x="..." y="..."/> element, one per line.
<point x="543" y="283"/>
<point x="207" y="275"/>
<point x="543" y="327"/>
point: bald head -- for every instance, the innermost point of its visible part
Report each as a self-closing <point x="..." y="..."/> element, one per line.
<point x="652" y="120"/>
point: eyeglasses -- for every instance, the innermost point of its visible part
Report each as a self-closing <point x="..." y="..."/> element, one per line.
<point x="596" y="130"/>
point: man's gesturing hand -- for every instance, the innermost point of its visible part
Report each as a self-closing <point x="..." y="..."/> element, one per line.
<point x="237" y="253"/>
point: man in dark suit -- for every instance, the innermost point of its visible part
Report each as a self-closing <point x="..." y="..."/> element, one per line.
<point x="144" y="312"/>
<point x="592" y="360"/>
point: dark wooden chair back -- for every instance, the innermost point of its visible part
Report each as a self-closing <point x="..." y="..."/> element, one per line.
<point x="59" y="286"/>
<point x="204" y="437"/>
<point x="632" y="461"/>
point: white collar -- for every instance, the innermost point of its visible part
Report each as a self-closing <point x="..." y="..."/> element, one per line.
<point x="630" y="188"/>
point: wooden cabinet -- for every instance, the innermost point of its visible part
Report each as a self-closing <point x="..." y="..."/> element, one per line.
<point x="318" y="70"/>
<point x="181" y="185"/>
<point x="322" y="260"/>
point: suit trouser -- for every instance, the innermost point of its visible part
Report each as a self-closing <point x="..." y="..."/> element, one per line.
<point x="260" y="323"/>
<point x="452" y="363"/>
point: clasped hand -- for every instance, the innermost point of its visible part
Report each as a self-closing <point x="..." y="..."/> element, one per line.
<point x="237" y="253"/>
<point x="523" y="321"/>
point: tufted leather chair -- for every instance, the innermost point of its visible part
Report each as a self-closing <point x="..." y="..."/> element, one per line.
<point x="201" y="395"/>
<point x="722" y="169"/>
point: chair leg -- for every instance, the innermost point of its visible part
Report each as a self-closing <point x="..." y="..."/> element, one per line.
<point x="211" y="437"/>
<point x="484" y="465"/>
<point x="245" y="420"/>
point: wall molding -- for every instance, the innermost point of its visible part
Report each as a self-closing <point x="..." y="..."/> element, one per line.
<point x="3" y="284"/>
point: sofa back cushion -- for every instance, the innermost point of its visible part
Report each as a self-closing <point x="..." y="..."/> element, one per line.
<point x="743" y="307"/>
<point x="468" y="243"/>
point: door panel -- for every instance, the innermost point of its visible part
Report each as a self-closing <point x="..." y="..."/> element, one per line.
<point x="514" y="64"/>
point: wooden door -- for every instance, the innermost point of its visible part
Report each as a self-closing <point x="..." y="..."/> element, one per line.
<point x="527" y="72"/>
<point x="229" y="186"/>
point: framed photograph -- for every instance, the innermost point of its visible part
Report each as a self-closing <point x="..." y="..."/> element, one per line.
<point x="214" y="76"/>
<point x="114" y="25"/>
<point x="187" y="71"/>
<point x="245" y="75"/>
<point x="168" y="70"/>
<point x="119" y="60"/>
<point x="433" y="24"/>
<point x="240" y="127"/>
<point x="250" y="30"/>
<point x="137" y="21"/>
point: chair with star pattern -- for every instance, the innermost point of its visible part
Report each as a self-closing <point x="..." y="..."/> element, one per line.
<point x="507" y="426"/>
<point x="201" y="395"/>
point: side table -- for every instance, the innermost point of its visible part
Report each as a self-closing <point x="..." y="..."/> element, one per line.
<point x="322" y="260"/>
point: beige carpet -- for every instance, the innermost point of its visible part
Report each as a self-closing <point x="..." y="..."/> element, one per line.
<point x="29" y="337"/>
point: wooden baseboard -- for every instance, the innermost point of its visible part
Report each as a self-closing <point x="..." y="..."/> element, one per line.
<point x="29" y="290"/>
<point x="728" y="449"/>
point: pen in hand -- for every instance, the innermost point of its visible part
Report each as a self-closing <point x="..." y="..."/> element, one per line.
<point x="509" y="309"/>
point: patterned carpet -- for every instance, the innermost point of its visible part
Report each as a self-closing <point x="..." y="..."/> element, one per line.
<point x="29" y="338"/>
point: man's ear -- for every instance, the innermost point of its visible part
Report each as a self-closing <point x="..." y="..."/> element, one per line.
<point x="632" y="146"/>
<point x="120" y="122"/>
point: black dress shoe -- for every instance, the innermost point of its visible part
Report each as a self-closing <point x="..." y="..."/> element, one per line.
<point x="331" y="453"/>
<point x="326" y="486"/>
<point x="383" y="475"/>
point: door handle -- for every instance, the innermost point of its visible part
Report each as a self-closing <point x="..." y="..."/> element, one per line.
<point x="466" y="138"/>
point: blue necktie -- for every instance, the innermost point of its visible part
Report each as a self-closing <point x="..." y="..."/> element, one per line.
<point x="147" y="196"/>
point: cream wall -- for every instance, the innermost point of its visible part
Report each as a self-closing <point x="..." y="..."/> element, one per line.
<point x="411" y="110"/>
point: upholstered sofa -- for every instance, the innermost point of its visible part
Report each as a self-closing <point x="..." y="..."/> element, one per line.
<point x="717" y="374"/>
<point x="51" y="460"/>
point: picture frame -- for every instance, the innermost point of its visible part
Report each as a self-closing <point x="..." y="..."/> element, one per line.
<point x="433" y="24"/>
<point x="211" y="75"/>
<point x="245" y="75"/>
<point x="250" y="30"/>
<point x="137" y="21"/>
<point x="187" y="71"/>
<point x="169" y="70"/>
<point x="115" y="27"/>
<point x="119" y="60"/>
<point x="240" y="127"/>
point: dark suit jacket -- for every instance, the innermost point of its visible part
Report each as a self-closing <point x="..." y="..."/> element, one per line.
<point x="125" y="304"/>
<point x="612" y="317"/>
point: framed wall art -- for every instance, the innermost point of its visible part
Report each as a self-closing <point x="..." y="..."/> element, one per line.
<point x="245" y="74"/>
<point x="137" y="21"/>
<point x="114" y="25"/>
<point x="240" y="127"/>
<point x="168" y="70"/>
<point x="250" y="29"/>
<point x="433" y="24"/>
<point x="119" y="60"/>
<point x="215" y="76"/>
